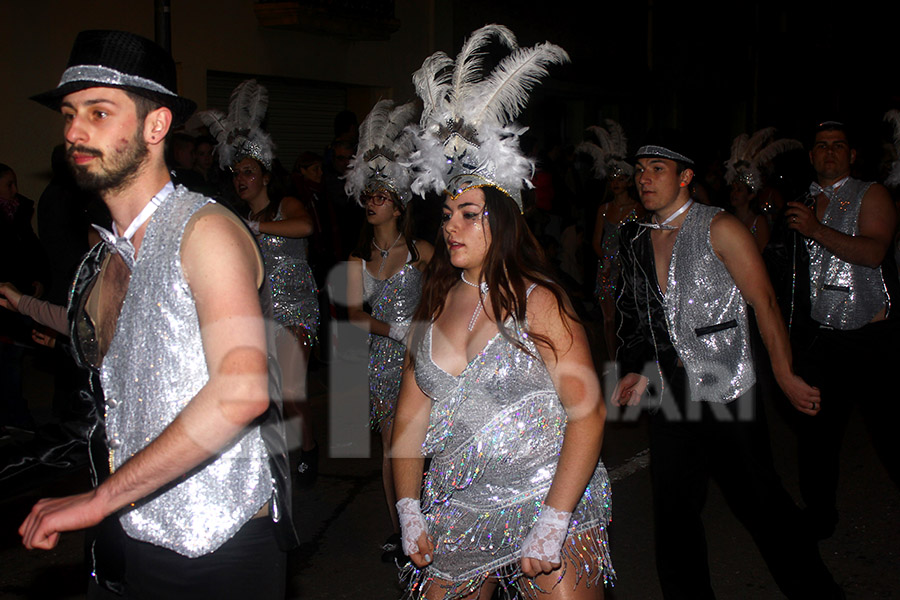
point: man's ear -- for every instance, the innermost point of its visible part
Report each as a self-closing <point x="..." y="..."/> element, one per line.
<point x="686" y="177"/>
<point x="852" y="156"/>
<point x="157" y="125"/>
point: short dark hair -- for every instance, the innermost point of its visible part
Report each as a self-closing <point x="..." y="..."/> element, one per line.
<point x="142" y="104"/>
<point x="832" y="126"/>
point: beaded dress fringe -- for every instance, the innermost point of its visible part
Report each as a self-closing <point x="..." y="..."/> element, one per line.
<point x="589" y="555"/>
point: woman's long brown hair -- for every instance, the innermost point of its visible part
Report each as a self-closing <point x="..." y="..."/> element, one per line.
<point x="513" y="258"/>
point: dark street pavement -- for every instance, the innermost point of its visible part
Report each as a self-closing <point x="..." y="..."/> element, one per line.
<point x="343" y="520"/>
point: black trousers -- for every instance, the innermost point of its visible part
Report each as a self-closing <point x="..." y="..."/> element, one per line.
<point x="249" y="565"/>
<point x="731" y="444"/>
<point x="857" y="367"/>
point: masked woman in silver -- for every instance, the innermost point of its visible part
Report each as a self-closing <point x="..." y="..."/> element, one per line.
<point x="500" y="388"/>
<point x="281" y="225"/>
<point x="385" y="271"/>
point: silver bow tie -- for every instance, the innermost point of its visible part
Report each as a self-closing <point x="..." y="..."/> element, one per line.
<point x="118" y="245"/>
<point x="830" y="190"/>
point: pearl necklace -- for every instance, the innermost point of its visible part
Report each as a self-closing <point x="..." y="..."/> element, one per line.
<point x="483" y="290"/>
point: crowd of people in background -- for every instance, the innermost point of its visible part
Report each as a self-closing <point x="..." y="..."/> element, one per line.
<point x="586" y="203"/>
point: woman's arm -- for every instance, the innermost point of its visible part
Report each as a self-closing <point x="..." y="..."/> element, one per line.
<point x="410" y="425"/>
<point x="572" y="371"/>
<point x="355" y="312"/>
<point x="297" y="222"/>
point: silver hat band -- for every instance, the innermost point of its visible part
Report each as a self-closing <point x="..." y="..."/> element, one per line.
<point x="662" y="152"/>
<point x="106" y="76"/>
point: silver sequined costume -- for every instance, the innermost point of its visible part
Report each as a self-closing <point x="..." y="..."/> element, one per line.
<point x="391" y="300"/>
<point x="294" y="294"/>
<point x="844" y="295"/>
<point x="495" y="435"/>
<point x="155" y="366"/>
<point x="608" y="266"/>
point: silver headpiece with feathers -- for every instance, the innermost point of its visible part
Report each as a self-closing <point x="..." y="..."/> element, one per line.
<point x="238" y="134"/>
<point x="610" y="151"/>
<point x="385" y="144"/>
<point x="468" y="138"/>
<point x="893" y="178"/>
<point x="752" y="153"/>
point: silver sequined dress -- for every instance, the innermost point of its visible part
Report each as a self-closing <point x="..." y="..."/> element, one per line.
<point x="391" y="300"/>
<point x="295" y="299"/>
<point x="495" y="435"/>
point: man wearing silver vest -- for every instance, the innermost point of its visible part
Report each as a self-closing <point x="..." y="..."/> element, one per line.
<point x="167" y="316"/>
<point x="847" y="227"/>
<point x="687" y="277"/>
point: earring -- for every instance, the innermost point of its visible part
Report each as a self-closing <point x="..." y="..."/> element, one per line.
<point x="683" y="183"/>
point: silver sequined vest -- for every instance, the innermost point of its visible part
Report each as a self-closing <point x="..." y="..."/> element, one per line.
<point x="154" y="367"/>
<point x="843" y="295"/>
<point x="706" y="315"/>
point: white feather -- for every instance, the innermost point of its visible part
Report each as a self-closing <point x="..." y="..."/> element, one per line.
<point x="469" y="60"/>
<point x="501" y="97"/>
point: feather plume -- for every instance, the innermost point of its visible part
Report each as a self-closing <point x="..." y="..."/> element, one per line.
<point x="500" y="98"/>
<point x="384" y="145"/>
<point x="618" y="143"/>
<point x="603" y="139"/>
<point x="215" y="121"/>
<point x="239" y="134"/>
<point x="248" y="104"/>
<point x="893" y="178"/>
<point x="609" y="153"/>
<point x="757" y="141"/>
<point x="598" y="157"/>
<point x="751" y="154"/>
<point x="469" y="60"/>
<point x="767" y="155"/>
<point x="432" y="83"/>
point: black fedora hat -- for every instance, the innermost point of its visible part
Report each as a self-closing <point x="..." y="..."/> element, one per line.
<point x="123" y="60"/>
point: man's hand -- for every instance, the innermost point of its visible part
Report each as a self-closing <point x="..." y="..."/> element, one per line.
<point x="9" y="296"/>
<point x="629" y="390"/>
<point x="44" y="338"/>
<point x="802" y="219"/>
<point x="804" y="397"/>
<point x="51" y="516"/>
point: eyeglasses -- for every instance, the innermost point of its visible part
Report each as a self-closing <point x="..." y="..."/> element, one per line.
<point x="378" y="199"/>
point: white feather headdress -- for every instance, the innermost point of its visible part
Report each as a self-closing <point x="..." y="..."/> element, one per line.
<point x="239" y="134"/>
<point x="467" y="120"/>
<point x="893" y="178"/>
<point x="610" y="152"/>
<point x="752" y="153"/>
<point x="385" y="144"/>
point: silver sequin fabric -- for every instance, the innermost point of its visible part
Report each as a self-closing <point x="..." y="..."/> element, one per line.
<point x="494" y="435"/>
<point x="295" y="299"/>
<point x="391" y="300"/>
<point x="706" y="314"/>
<point x="154" y="367"/>
<point x="843" y="295"/>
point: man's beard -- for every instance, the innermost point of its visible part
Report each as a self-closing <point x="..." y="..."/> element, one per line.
<point x="116" y="168"/>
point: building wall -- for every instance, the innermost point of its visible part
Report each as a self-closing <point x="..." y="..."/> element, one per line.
<point x="220" y="35"/>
